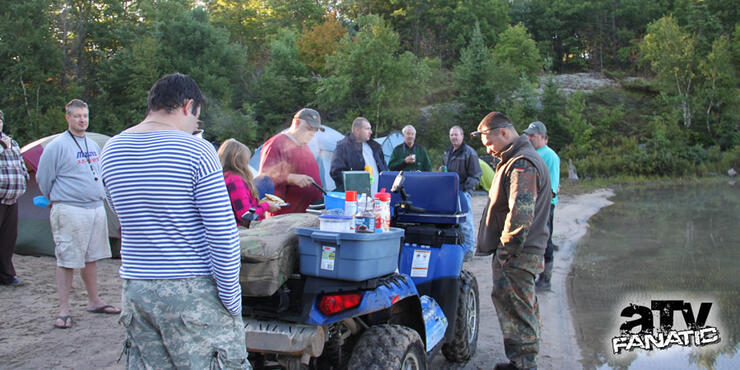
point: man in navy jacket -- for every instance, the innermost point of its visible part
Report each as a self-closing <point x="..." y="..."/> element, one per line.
<point x="356" y="151"/>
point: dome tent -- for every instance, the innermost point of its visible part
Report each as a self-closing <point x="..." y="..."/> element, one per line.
<point x="34" y="230"/>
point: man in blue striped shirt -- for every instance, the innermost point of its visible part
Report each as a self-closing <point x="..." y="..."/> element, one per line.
<point x="180" y="254"/>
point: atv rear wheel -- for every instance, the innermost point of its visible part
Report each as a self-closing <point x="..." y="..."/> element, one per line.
<point x="462" y="346"/>
<point x="389" y="347"/>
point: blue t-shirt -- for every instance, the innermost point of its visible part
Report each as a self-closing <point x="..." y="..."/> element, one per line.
<point x="553" y="164"/>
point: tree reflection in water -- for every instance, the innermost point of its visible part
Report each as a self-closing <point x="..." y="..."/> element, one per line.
<point x="660" y="240"/>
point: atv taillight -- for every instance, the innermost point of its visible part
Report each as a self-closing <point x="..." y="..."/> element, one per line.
<point x="331" y="304"/>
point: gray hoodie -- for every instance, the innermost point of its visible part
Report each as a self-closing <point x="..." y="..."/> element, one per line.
<point x="64" y="174"/>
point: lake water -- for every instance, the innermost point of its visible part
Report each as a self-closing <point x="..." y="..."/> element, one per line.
<point x="660" y="243"/>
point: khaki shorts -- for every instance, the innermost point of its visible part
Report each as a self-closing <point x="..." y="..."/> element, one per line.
<point x="80" y="235"/>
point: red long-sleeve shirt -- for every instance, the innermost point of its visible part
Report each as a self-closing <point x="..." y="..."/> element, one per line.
<point x="281" y="156"/>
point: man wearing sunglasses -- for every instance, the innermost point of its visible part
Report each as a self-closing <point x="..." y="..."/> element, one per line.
<point x="514" y="227"/>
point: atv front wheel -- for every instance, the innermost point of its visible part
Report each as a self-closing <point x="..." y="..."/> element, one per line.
<point x="462" y="346"/>
<point x="389" y="347"/>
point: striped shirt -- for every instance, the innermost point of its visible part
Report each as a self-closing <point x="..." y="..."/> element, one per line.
<point x="13" y="173"/>
<point x="168" y="190"/>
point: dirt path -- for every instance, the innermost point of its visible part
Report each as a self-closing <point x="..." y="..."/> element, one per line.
<point x="28" y="338"/>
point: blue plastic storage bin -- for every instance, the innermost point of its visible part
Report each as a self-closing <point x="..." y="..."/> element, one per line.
<point x="348" y="256"/>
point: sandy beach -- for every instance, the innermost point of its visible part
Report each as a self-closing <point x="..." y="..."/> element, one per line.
<point x="28" y="338"/>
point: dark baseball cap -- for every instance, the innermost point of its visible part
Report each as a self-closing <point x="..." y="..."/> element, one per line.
<point x="311" y="116"/>
<point x="536" y="127"/>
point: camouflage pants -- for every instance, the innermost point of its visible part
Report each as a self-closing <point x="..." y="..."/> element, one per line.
<point x="180" y="323"/>
<point x="516" y="306"/>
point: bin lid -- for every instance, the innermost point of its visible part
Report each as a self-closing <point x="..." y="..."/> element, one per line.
<point x="335" y="217"/>
<point x="393" y="233"/>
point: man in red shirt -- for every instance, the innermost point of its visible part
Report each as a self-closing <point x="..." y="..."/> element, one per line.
<point x="289" y="162"/>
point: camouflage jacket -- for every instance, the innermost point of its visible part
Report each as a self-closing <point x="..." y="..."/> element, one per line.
<point x="515" y="218"/>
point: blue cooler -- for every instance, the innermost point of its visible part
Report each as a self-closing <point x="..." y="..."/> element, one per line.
<point x="348" y="256"/>
<point x="423" y="188"/>
<point x="334" y="200"/>
<point x="431" y="253"/>
<point x="432" y="241"/>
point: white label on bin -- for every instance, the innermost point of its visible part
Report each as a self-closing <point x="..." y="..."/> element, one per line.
<point x="328" y="254"/>
<point x="420" y="263"/>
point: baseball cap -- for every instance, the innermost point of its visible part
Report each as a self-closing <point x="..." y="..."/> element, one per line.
<point x="536" y="127"/>
<point x="311" y="116"/>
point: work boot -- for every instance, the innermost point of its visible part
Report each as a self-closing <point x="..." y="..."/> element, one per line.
<point x="543" y="282"/>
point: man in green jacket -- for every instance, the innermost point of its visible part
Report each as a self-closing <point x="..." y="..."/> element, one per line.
<point x="408" y="156"/>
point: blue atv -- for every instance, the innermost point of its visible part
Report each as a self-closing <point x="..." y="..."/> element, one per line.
<point x="351" y="308"/>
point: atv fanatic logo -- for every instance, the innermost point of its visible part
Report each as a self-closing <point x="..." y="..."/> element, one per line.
<point x="649" y="338"/>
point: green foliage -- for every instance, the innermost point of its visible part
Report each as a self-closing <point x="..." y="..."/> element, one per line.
<point x="671" y="55"/>
<point x="516" y="48"/>
<point x="474" y="77"/>
<point x="392" y="61"/>
<point x="283" y="86"/>
<point x="173" y="41"/>
<point x="369" y="77"/>
<point x="30" y="93"/>
<point x="552" y="115"/>
<point x="318" y="42"/>
<point x="702" y="87"/>
<point x="719" y="95"/>
<point x="433" y="130"/>
<point x="657" y="157"/>
<point x="577" y="125"/>
<point x="252" y="23"/>
<point x="556" y="25"/>
<point x="577" y="34"/>
<point x="696" y="19"/>
<point x="435" y="28"/>
<point x="521" y="106"/>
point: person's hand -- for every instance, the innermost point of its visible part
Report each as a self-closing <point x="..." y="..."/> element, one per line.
<point x="272" y="207"/>
<point x="410" y="158"/>
<point x="300" y="181"/>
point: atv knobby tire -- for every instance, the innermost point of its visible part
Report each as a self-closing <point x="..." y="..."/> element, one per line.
<point x="462" y="346"/>
<point x="389" y="347"/>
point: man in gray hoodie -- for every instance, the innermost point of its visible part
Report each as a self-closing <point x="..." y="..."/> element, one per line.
<point x="69" y="176"/>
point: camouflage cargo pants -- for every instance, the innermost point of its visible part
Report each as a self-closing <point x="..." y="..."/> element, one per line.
<point x="180" y="323"/>
<point x="516" y="306"/>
